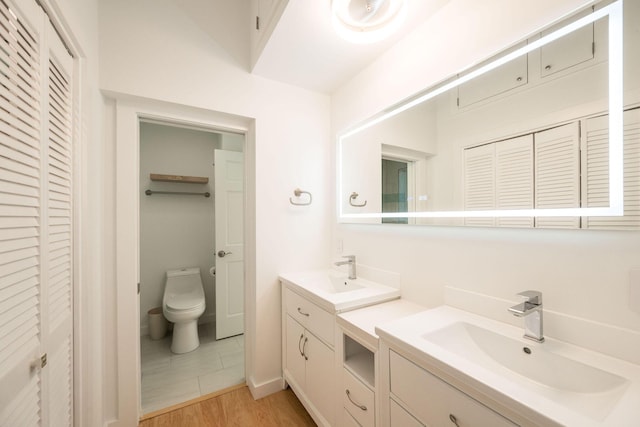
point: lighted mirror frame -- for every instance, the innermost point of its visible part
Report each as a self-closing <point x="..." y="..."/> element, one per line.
<point x="616" y="165"/>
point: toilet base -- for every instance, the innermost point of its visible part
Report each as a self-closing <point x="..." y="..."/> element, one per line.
<point x="185" y="337"/>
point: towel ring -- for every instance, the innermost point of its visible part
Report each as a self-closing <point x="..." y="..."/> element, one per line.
<point x="354" y="196"/>
<point x="298" y="192"/>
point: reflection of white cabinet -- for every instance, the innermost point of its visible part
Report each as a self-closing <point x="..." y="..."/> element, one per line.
<point x="573" y="49"/>
<point x="500" y="80"/>
<point x="419" y="397"/>
<point x="308" y="356"/>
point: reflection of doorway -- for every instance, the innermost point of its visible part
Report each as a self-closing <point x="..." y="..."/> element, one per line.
<point x="395" y="187"/>
<point x="177" y="231"/>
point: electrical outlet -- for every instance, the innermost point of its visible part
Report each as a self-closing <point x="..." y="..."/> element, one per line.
<point x="634" y="289"/>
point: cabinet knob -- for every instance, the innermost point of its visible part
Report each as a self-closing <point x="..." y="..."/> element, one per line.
<point x="519" y="79"/>
<point x="454" y="420"/>
<point x="548" y="67"/>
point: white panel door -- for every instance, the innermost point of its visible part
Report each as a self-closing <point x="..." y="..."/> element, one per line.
<point x="36" y="212"/>
<point x="229" y="207"/>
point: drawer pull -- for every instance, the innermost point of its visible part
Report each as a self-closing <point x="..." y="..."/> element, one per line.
<point x="302" y="312"/>
<point x="304" y="348"/>
<point x="454" y="420"/>
<point x="299" y="342"/>
<point x="364" y="408"/>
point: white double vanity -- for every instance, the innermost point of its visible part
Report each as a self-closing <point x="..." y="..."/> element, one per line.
<point x="356" y="354"/>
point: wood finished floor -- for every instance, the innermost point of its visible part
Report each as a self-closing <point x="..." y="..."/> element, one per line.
<point x="237" y="409"/>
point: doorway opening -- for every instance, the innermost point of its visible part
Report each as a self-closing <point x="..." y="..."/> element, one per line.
<point x="191" y="217"/>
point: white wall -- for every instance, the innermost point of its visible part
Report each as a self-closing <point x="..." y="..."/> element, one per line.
<point x="176" y="231"/>
<point x="583" y="275"/>
<point x="152" y="49"/>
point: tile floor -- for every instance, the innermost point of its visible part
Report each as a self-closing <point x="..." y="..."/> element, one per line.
<point x="168" y="379"/>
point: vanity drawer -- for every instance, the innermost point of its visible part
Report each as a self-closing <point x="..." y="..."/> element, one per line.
<point x="434" y="402"/>
<point x="313" y="318"/>
<point x="347" y="420"/>
<point x="358" y="399"/>
<point x="400" y="417"/>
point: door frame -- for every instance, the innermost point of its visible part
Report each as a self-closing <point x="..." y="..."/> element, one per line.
<point x="129" y="111"/>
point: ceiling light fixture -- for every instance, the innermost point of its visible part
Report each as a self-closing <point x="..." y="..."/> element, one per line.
<point x="367" y="21"/>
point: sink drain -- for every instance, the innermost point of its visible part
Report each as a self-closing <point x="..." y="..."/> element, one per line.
<point x="526" y="350"/>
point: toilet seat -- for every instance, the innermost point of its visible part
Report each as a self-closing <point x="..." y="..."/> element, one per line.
<point x="179" y="302"/>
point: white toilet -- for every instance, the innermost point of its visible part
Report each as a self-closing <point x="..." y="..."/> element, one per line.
<point x="183" y="303"/>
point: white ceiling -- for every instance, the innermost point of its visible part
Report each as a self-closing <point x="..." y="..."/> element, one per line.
<point x="305" y="51"/>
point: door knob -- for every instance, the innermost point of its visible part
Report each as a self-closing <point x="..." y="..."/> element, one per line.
<point x="222" y="254"/>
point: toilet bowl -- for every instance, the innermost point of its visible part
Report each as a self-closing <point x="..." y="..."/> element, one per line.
<point x="183" y="303"/>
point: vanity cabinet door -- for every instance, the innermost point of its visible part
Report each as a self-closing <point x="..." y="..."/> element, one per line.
<point x="435" y="402"/>
<point x="320" y="376"/>
<point x="295" y="363"/>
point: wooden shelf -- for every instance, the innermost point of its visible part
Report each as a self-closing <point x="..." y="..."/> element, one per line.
<point x="179" y="178"/>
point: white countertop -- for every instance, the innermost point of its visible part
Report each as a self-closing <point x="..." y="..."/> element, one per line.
<point x="363" y="321"/>
<point x="316" y="287"/>
<point x="537" y="403"/>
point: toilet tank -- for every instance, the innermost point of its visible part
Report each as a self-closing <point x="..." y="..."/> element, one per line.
<point x="183" y="287"/>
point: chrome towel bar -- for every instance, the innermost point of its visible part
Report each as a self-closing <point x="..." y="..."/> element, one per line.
<point x="186" y="193"/>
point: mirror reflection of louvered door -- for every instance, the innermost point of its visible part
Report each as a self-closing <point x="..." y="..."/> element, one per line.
<point x="595" y="178"/>
<point x="557" y="173"/>
<point x="36" y="212"/>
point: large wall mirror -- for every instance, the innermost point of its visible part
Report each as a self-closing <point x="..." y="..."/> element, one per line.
<point x="545" y="134"/>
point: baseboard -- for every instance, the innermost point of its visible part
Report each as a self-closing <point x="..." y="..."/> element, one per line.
<point x="258" y="391"/>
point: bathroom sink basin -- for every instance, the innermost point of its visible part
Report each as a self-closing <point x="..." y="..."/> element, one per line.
<point x="533" y="361"/>
<point x="335" y="292"/>
<point x="555" y="382"/>
<point x="343" y="284"/>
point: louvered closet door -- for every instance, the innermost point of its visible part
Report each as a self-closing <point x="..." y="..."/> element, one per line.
<point x="57" y="309"/>
<point x="557" y="173"/>
<point x="20" y="222"/>
<point x="514" y="179"/>
<point x="35" y="223"/>
<point x="479" y="182"/>
<point x="595" y="177"/>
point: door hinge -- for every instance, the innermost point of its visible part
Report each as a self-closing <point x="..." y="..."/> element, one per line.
<point x="257" y="23"/>
<point x="43" y="360"/>
<point x="138" y="288"/>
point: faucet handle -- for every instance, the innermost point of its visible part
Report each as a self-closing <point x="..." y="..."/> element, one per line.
<point x="533" y="297"/>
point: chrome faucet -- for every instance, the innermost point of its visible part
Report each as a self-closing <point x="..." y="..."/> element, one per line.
<point x="531" y="310"/>
<point x="351" y="262"/>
